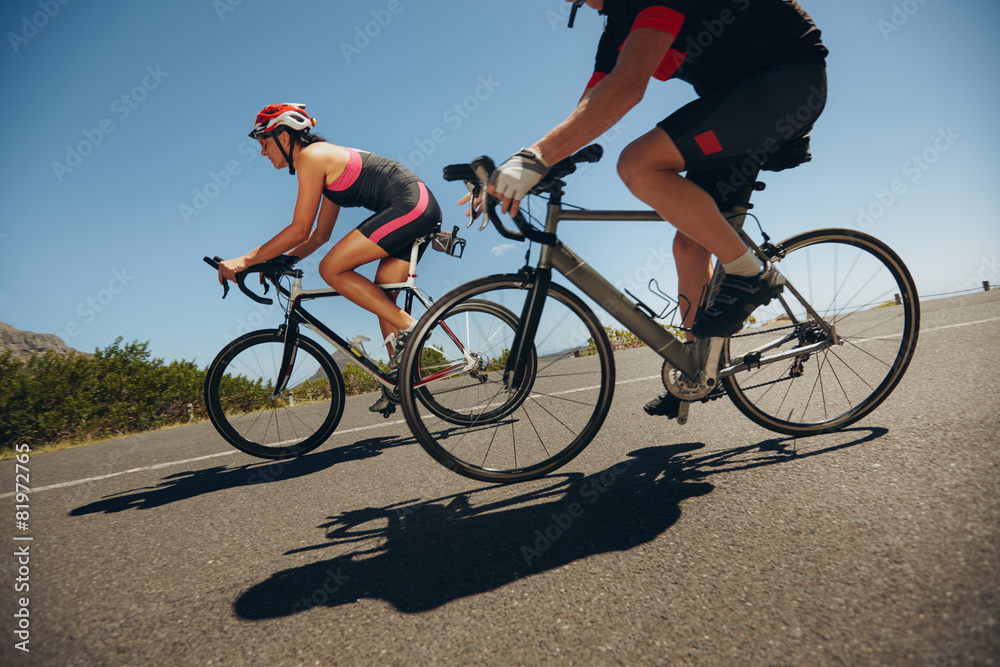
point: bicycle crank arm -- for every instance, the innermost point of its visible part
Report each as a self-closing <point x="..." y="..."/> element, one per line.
<point x="682" y="413"/>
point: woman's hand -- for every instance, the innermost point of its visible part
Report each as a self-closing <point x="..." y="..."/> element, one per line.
<point x="230" y="267"/>
<point x="475" y="210"/>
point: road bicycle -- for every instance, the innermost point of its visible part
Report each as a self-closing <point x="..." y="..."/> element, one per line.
<point x="819" y="357"/>
<point x="277" y="394"/>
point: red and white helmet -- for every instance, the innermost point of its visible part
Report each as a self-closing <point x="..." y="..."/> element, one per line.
<point x="292" y="116"/>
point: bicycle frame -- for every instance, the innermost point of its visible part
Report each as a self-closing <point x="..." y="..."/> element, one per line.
<point x="296" y="314"/>
<point x="698" y="361"/>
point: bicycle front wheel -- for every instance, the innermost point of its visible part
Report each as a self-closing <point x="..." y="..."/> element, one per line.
<point x="860" y="286"/>
<point x="241" y="401"/>
<point x="458" y="406"/>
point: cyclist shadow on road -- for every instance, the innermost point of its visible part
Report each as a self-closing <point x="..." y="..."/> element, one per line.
<point x="421" y="555"/>
<point x="192" y="483"/>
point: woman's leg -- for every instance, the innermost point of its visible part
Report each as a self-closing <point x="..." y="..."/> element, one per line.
<point x="337" y="269"/>
<point x="391" y="270"/>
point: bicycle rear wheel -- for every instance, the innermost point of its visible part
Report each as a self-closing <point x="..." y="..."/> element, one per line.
<point x="857" y="284"/>
<point x="239" y="396"/>
<point x="457" y="405"/>
<point x="485" y="330"/>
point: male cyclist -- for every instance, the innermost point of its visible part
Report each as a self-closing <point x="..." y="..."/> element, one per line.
<point x="758" y="67"/>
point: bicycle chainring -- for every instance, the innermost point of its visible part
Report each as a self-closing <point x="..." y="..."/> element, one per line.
<point x="680" y="386"/>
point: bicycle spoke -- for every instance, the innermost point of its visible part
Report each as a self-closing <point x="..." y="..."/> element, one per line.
<point x="858" y="303"/>
<point x="478" y="426"/>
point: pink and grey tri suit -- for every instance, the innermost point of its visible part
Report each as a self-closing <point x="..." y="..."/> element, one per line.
<point x="404" y="208"/>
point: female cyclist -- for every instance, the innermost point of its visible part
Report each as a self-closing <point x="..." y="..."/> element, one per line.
<point x="335" y="176"/>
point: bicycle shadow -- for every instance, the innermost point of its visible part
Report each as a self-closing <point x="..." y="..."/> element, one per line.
<point x="421" y="555"/>
<point x="193" y="483"/>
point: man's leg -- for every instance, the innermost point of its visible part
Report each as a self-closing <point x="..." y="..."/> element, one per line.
<point x="650" y="166"/>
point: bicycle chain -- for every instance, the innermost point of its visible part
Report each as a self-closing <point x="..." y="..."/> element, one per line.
<point x="720" y="391"/>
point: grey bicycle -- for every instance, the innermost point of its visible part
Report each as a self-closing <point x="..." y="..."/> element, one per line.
<point x="534" y="391"/>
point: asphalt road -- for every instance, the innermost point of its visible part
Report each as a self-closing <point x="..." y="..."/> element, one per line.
<point x="714" y="543"/>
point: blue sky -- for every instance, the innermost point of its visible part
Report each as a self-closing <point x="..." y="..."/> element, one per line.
<point x="126" y="158"/>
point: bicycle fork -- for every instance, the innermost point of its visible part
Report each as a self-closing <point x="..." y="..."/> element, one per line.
<point x="287" y="359"/>
<point x="531" y="315"/>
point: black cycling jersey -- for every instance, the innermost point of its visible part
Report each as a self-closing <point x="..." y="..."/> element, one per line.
<point x="404" y="208"/>
<point x="716" y="42"/>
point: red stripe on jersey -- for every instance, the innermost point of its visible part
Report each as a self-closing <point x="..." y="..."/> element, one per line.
<point x="660" y="18"/>
<point x="669" y="65"/>
<point x="708" y="143"/>
<point x="596" y="79"/>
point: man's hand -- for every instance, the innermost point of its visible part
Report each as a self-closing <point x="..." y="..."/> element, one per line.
<point x="513" y="180"/>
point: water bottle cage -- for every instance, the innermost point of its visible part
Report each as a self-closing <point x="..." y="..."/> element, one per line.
<point x="449" y="243"/>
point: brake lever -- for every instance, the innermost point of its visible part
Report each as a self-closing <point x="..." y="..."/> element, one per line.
<point x="473" y="194"/>
<point x="484" y="177"/>
<point x="572" y="12"/>
<point x="214" y="263"/>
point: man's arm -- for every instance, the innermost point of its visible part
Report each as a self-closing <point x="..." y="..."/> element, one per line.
<point x="607" y="103"/>
<point x="613" y="96"/>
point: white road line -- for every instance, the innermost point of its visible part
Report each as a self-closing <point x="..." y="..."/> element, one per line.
<point x="123" y="472"/>
<point x="931" y="330"/>
<point x="392" y="423"/>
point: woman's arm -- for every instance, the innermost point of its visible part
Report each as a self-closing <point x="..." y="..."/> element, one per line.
<point x="311" y="172"/>
<point x="328" y="213"/>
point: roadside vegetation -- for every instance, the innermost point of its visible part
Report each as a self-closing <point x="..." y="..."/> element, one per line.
<point x="52" y="401"/>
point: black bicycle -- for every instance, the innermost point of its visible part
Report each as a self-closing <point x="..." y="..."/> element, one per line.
<point x="819" y="357"/>
<point x="276" y="393"/>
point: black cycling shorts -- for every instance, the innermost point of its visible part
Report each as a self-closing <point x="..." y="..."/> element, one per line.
<point x="412" y="214"/>
<point x="729" y="133"/>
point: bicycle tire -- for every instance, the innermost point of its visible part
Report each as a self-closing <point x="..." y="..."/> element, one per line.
<point x="572" y="385"/>
<point x="241" y="406"/>
<point x="835" y="387"/>
<point x="459" y="417"/>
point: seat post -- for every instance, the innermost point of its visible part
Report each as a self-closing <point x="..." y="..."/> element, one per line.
<point x="740" y="202"/>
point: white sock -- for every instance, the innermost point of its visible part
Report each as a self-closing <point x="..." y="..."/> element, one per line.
<point x="409" y="328"/>
<point x="746" y="264"/>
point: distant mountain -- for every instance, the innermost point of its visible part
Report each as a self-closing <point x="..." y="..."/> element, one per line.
<point x="26" y="343"/>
